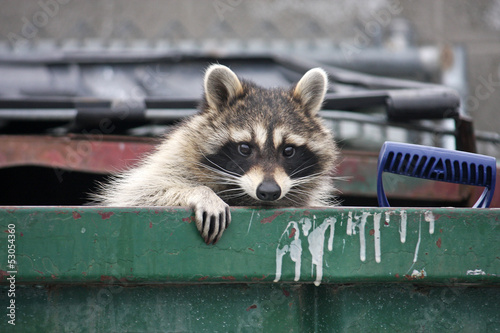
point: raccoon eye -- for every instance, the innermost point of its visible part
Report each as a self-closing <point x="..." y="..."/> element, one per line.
<point x="289" y="151"/>
<point x="244" y="149"/>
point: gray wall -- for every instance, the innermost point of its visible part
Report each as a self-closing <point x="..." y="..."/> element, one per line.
<point x="474" y="24"/>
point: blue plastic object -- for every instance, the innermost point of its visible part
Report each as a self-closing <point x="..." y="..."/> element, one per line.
<point x="437" y="164"/>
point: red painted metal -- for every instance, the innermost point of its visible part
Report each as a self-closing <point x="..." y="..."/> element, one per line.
<point x="108" y="154"/>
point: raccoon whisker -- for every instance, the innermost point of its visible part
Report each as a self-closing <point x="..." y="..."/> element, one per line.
<point x="218" y="167"/>
<point x="220" y="170"/>
<point x="343" y="178"/>
<point x="235" y="163"/>
<point x="306" y="179"/>
<point x="231" y="190"/>
<point x="233" y="196"/>
<point x="292" y="198"/>
<point x="299" y="169"/>
<point x="297" y="193"/>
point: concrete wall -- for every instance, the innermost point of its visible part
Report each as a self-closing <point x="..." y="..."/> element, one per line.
<point x="474" y="24"/>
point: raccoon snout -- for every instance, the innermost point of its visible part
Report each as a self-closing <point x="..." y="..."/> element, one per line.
<point x="268" y="191"/>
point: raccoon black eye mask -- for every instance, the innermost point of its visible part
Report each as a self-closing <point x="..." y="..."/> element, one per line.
<point x="248" y="146"/>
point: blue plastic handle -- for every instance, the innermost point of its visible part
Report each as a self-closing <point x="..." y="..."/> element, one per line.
<point x="439" y="164"/>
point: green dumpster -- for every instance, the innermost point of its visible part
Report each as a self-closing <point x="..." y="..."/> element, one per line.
<point x="349" y="269"/>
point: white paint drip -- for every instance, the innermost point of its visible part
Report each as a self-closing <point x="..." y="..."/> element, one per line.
<point x="350" y="226"/>
<point x="279" y="261"/>
<point x="476" y="272"/>
<point x="429" y="217"/>
<point x="362" y="238"/>
<point x="402" y="226"/>
<point x="419" y="274"/>
<point x="250" y="224"/>
<point x="316" y="244"/>
<point x="415" y="257"/>
<point x="306" y="225"/>
<point x="296" y="254"/>
<point x="316" y="240"/>
<point x="376" y="227"/>
<point x="332" y="233"/>
<point x="295" y="249"/>
<point x="387" y="218"/>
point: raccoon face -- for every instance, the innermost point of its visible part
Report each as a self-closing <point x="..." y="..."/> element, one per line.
<point x="265" y="146"/>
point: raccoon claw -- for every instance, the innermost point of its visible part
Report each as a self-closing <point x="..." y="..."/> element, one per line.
<point x="211" y="221"/>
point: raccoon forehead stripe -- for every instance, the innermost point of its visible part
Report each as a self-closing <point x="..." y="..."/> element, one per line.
<point x="240" y="135"/>
<point x="281" y="135"/>
<point x="260" y="136"/>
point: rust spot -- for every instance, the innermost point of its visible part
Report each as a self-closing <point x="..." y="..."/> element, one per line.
<point x="271" y="218"/>
<point x="3" y="274"/>
<point x="150" y="225"/>
<point x="397" y="276"/>
<point x="39" y="272"/>
<point x="253" y="306"/>
<point x="292" y="233"/>
<point x="372" y="232"/>
<point x="228" y="278"/>
<point x="107" y="278"/>
<point x="386" y="223"/>
<point x="259" y="279"/>
<point x="286" y="292"/>
<point x="22" y="234"/>
<point x="251" y="249"/>
<point x="106" y="215"/>
<point x="438" y="243"/>
<point x="188" y="219"/>
<point x="203" y="278"/>
<point x="84" y="273"/>
<point x="53" y="277"/>
<point x="77" y="215"/>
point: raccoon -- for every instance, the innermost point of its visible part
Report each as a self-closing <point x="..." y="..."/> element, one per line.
<point x="248" y="146"/>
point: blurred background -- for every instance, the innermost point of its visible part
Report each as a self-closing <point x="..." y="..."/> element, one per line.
<point x="191" y="24"/>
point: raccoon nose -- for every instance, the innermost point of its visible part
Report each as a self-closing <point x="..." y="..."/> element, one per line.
<point x="268" y="191"/>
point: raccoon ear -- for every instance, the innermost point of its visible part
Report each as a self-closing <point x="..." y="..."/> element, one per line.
<point x="221" y="85"/>
<point x="311" y="89"/>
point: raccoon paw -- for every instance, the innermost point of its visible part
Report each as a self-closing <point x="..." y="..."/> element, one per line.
<point x="212" y="218"/>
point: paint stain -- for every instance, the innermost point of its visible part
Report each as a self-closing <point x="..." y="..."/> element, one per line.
<point x="438" y="243"/>
<point x="271" y="218"/>
<point x="188" y="219"/>
<point x="251" y="307"/>
<point x="372" y="232"/>
<point x="150" y="225"/>
<point x="77" y="215"/>
<point x="228" y="278"/>
<point x="292" y="233"/>
<point x="106" y="215"/>
<point x="107" y="278"/>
